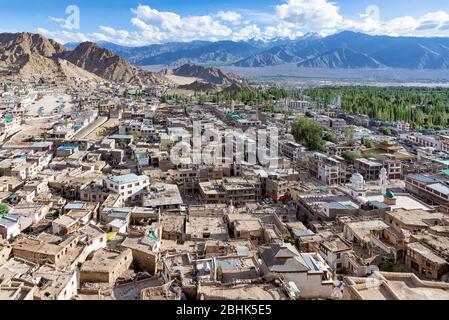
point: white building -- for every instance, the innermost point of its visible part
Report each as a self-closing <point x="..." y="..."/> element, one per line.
<point x="9" y="227"/>
<point x="129" y="186"/>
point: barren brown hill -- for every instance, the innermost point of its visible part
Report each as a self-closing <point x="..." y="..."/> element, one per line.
<point x="200" y="86"/>
<point x="211" y="75"/>
<point x="109" y="66"/>
<point x="34" y="57"/>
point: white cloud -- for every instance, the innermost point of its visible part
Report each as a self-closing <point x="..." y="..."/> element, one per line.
<point x="65" y="36"/>
<point x="290" y="19"/>
<point x="63" y="23"/>
<point x="177" y="27"/>
<point x="229" y="16"/>
<point x="115" y="33"/>
<point x="58" y="20"/>
<point x="248" y="32"/>
<point x="310" y="13"/>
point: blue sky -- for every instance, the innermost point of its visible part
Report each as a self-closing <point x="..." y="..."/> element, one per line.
<point x="144" y="22"/>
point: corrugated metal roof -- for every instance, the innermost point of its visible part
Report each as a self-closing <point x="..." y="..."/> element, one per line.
<point x="439" y="187"/>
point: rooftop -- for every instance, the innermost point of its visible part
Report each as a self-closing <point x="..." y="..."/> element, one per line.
<point x="403" y="201"/>
<point x="128" y="178"/>
<point x="396" y="286"/>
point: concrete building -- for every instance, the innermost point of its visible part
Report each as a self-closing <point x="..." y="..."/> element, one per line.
<point x="106" y="266"/>
<point x="429" y="188"/>
<point x="368" y="168"/>
<point x="395" y="286"/>
<point x="425" y="262"/>
<point x="307" y="271"/>
<point x="163" y="197"/>
<point x="145" y="251"/>
<point x="130" y="186"/>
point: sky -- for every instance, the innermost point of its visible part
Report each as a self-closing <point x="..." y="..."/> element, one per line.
<point x="143" y="22"/>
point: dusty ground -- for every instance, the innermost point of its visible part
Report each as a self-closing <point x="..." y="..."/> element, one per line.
<point x="33" y="127"/>
<point x="50" y="103"/>
<point x="83" y="133"/>
<point x="102" y="131"/>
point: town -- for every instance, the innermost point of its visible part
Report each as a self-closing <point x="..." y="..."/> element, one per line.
<point x="94" y="208"/>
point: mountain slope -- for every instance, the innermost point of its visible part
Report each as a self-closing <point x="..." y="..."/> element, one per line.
<point x="33" y="57"/>
<point x="223" y="52"/>
<point x="341" y="58"/>
<point x="394" y="52"/>
<point x="210" y="75"/>
<point x="200" y="86"/>
<point x="108" y="65"/>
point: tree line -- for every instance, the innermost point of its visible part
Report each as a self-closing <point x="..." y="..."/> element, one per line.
<point x="420" y="107"/>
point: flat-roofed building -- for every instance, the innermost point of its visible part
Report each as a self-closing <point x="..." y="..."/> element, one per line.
<point x="368" y="168"/>
<point x="47" y="248"/>
<point x="145" y="251"/>
<point x="332" y="250"/>
<point x="423" y="260"/>
<point x="246" y="226"/>
<point x="432" y="189"/>
<point x="236" y="190"/>
<point x="106" y="266"/>
<point x="162" y="196"/>
<point x="129" y="186"/>
<point x="395" y="286"/>
<point x="198" y="228"/>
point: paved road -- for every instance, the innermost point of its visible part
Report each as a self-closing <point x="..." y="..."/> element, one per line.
<point x="81" y="134"/>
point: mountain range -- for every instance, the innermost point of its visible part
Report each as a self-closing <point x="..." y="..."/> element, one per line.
<point x="346" y="50"/>
<point x="195" y="52"/>
<point x="32" y="56"/>
<point x="350" y="50"/>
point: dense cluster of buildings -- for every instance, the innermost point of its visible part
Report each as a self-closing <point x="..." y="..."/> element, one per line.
<point x="94" y="207"/>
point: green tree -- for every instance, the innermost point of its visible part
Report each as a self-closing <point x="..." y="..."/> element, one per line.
<point x="387" y="265"/>
<point x="219" y="273"/>
<point x="330" y="136"/>
<point x="351" y="155"/>
<point x="371" y="154"/>
<point x="136" y="135"/>
<point x="385" y="130"/>
<point x="4" y="209"/>
<point x="367" y="143"/>
<point x="309" y="133"/>
<point x="349" y="132"/>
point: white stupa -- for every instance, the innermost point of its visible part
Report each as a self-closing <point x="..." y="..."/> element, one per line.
<point x="357" y="186"/>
